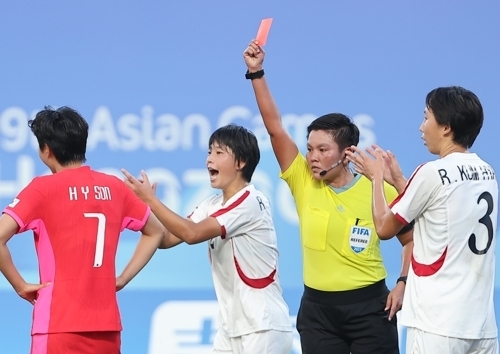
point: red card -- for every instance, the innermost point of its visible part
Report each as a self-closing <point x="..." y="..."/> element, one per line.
<point x="263" y="32"/>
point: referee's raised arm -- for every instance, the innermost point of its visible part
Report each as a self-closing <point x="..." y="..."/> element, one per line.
<point x="284" y="147"/>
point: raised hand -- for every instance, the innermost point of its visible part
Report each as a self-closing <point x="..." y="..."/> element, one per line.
<point x="142" y="188"/>
<point x="397" y="178"/>
<point x="254" y="56"/>
<point x="388" y="176"/>
<point x="371" y="165"/>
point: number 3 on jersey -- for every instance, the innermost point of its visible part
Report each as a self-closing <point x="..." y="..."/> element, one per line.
<point x="101" y="230"/>
<point x="486" y="221"/>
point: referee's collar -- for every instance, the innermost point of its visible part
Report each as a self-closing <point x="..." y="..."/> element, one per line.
<point x="356" y="178"/>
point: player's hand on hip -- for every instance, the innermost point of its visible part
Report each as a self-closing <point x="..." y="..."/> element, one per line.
<point x="120" y="283"/>
<point x="142" y="188"/>
<point x="29" y="292"/>
<point x="395" y="300"/>
<point x="254" y="56"/>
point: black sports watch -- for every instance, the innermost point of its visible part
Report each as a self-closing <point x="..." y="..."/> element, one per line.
<point x="403" y="279"/>
<point x="254" y="75"/>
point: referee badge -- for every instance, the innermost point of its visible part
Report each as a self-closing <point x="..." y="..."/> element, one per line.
<point x="359" y="238"/>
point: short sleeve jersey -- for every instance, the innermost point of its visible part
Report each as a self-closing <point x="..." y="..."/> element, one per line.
<point x="341" y="250"/>
<point x="454" y="202"/>
<point x="77" y="216"/>
<point x="244" y="262"/>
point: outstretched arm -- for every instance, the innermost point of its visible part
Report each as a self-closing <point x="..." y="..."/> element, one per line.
<point x="181" y="228"/>
<point x="169" y="240"/>
<point x="284" y="147"/>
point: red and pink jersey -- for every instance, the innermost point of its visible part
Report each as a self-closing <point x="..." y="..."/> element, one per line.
<point x="77" y="216"/>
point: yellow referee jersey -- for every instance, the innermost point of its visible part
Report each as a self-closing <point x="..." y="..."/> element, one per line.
<point x="340" y="248"/>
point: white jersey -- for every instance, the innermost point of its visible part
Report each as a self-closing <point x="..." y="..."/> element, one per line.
<point x="244" y="263"/>
<point x="454" y="202"/>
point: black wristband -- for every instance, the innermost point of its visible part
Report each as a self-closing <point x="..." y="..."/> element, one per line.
<point x="254" y="75"/>
<point x="403" y="279"/>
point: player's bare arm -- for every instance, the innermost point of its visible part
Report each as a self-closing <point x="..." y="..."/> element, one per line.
<point x="169" y="240"/>
<point x="184" y="229"/>
<point x="8" y="228"/>
<point x="152" y="235"/>
<point x="395" y="297"/>
<point x="284" y="147"/>
<point x="406" y="240"/>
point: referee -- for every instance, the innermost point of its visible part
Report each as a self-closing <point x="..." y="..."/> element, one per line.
<point x="346" y="306"/>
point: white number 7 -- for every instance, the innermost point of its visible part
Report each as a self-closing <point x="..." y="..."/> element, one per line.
<point x="101" y="230"/>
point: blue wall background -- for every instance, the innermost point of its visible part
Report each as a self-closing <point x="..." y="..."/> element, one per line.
<point x="155" y="78"/>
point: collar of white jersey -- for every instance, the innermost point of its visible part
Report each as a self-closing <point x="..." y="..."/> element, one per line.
<point x="467" y="154"/>
<point x="250" y="188"/>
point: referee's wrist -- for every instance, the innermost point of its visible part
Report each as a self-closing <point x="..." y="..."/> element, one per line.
<point x="402" y="279"/>
<point x="252" y="69"/>
<point x="252" y="75"/>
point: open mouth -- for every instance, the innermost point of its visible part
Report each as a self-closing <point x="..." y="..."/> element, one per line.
<point x="213" y="173"/>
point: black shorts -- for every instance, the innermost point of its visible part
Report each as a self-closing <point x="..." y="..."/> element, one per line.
<point x="344" y="322"/>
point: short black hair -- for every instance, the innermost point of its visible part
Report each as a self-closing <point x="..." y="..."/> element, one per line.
<point x="64" y="131"/>
<point x="242" y="143"/>
<point x="344" y="132"/>
<point x="460" y="109"/>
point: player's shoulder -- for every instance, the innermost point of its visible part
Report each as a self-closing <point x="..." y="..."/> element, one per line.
<point x="440" y="166"/>
<point x="104" y="175"/>
<point x="252" y="191"/>
<point x="43" y="179"/>
<point x="106" y="179"/>
<point x="209" y="203"/>
<point x="247" y="198"/>
<point x="212" y="200"/>
<point x="42" y="182"/>
<point x="479" y="161"/>
<point x="425" y="169"/>
<point x="253" y="198"/>
<point x="428" y="176"/>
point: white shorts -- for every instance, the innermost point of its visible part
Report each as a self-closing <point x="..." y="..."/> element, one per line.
<point x="421" y="342"/>
<point x="268" y="342"/>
